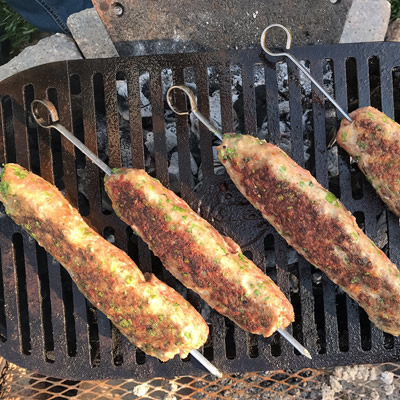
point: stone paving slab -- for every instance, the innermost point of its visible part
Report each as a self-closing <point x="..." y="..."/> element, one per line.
<point x="57" y="47"/>
<point x="367" y="21"/>
<point x="90" y="34"/>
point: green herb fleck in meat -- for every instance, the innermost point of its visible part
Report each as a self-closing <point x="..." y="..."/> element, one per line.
<point x="20" y="173"/>
<point x="176" y="208"/>
<point x="362" y="145"/>
<point x="167" y="217"/>
<point x="4" y="187"/>
<point x="124" y="323"/>
<point x="129" y="279"/>
<point x="355" y="236"/>
<point x="344" y="136"/>
<point x="354" y="280"/>
<point x="330" y="198"/>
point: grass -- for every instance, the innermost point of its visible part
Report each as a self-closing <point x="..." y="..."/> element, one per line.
<point x="14" y="29"/>
<point x="395" y="9"/>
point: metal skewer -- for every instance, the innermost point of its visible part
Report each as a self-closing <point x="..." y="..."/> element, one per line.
<point x="298" y="64"/>
<point x="38" y="107"/>
<point x="218" y="134"/>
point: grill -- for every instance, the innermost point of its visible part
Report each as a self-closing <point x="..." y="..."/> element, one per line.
<point x="47" y="326"/>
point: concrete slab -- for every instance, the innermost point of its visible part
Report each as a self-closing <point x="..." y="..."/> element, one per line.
<point x="57" y="47"/>
<point x="367" y="21"/>
<point x="90" y="34"/>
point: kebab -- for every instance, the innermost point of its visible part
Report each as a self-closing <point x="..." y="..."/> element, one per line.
<point x="149" y="313"/>
<point x="368" y="135"/>
<point x="313" y="221"/>
<point x="373" y="140"/>
<point x="193" y="251"/>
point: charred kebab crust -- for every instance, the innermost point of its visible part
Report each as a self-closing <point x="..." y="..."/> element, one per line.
<point x="373" y="140"/>
<point x="184" y="243"/>
<point x="317" y="225"/>
<point x="149" y="313"/>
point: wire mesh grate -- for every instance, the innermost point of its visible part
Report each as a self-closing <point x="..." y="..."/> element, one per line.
<point x="381" y="381"/>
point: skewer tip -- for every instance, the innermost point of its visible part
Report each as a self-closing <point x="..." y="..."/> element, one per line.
<point x="206" y="364"/>
<point x="307" y="354"/>
<point x="298" y="346"/>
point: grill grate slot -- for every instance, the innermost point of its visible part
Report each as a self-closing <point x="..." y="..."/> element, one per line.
<point x="75" y="92"/>
<point x="29" y="95"/>
<point x="65" y="335"/>
<point x="160" y="145"/>
<point x="8" y="129"/>
<point x="43" y="275"/>
<point x="352" y="84"/>
<point x="295" y="299"/>
<point x="68" y="312"/>
<point x="22" y="297"/>
<point x="296" y="114"/>
<point x="319" y="309"/>
<point x="249" y="100"/>
<point x="375" y="82"/>
<point x="206" y="137"/>
<point x="183" y="146"/>
<point x="92" y="320"/>
<point x="3" y="322"/>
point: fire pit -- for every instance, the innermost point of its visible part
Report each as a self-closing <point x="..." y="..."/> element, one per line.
<point x="46" y="325"/>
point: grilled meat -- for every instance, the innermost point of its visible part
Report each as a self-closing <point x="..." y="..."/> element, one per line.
<point x="316" y="224"/>
<point x="148" y="312"/>
<point x="373" y="139"/>
<point x="195" y="253"/>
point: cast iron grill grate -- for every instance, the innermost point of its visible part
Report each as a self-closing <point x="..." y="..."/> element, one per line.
<point x="46" y="324"/>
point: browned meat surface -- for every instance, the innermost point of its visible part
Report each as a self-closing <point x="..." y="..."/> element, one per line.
<point x="316" y="224"/>
<point x="373" y="140"/>
<point x="149" y="313"/>
<point x="196" y="254"/>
